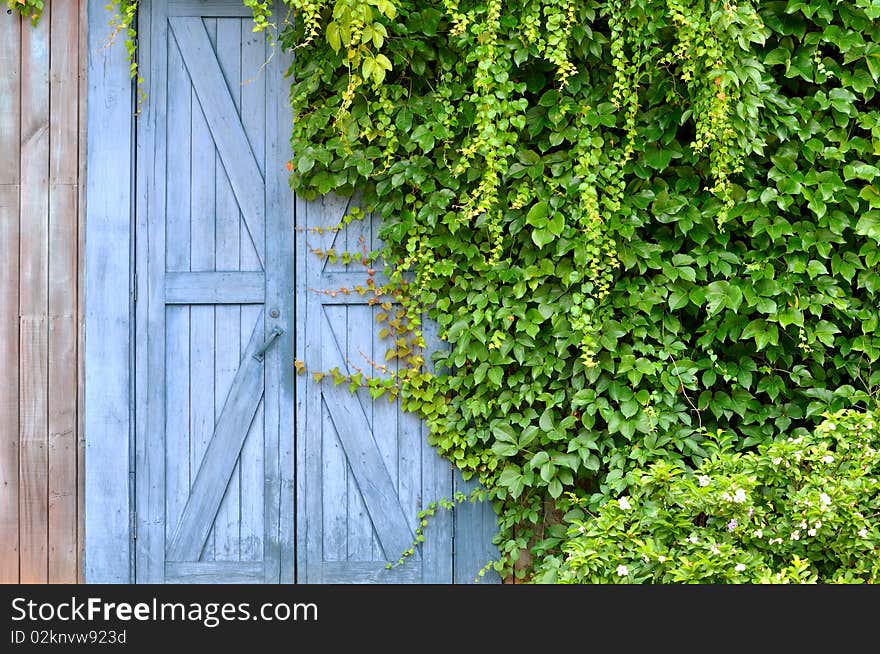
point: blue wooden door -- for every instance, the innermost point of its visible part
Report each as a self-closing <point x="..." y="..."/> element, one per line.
<point x="214" y="341"/>
<point x="219" y="414"/>
<point x="364" y="467"/>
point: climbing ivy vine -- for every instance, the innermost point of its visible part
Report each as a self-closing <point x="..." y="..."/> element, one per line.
<point x="635" y="223"/>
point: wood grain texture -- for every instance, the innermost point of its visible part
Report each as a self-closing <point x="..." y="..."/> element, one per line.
<point x="213" y="572"/>
<point x="151" y="265"/>
<point x="82" y="90"/>
<point x="34" y="301"/>
<point x="227" y="42"/>
<point x="178" y="473"/>
<point x="222" y="287"/>
<point x="107" y="400"/>
<point x="219" y="458"/>
<point x="278" y="552"/>
<point x="253" y="118"/>
<point x="475" y="525"/>
<point x="63" y="229"/>
<point x="10" y="94"/>
<point x="203" y="217"/>
<point x="215" y="460"/>
<point x="10" y="130"/>
<point x="222" y="119"/>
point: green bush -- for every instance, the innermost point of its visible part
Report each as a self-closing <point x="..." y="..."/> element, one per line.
<point x="798" y="510"/>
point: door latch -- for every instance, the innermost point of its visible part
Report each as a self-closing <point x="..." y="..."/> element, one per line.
<point x="261" y="352"/>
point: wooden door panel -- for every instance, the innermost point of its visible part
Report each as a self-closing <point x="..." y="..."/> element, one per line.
<point x="211" y="468"/>
<point x="366" y="465"/>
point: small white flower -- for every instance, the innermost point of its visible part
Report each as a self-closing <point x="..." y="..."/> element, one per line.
<point x="661" y="558"/>
<point x="818" y="524"/>
<point x="692" y="540"/>
<point x="828" y="459"/>
<point x="739" y="496"/>
<point x="740" y="567"/>
<point x="803" y="524"/>
<point x="811" y="532"/>
<point x="726" y="497"/>
<point x="775" y="541"/>
<point x="863" y="533"/>
<point x="645" y="558"/>
<point x="824" y="499"/>
<point x="622" y="571"/>
<point x="715" y="549"/>
<point x="582" y="529"/>
<point x="795" y="535"/>
<point x="777" y="460"/>
<point x="624" y="504"/>
<point x="759" y="533"/>
<point x="704" y="480"/>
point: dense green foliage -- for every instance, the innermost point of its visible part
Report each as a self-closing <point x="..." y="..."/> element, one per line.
<point x="798" y="510"/>
<point x="636" y="223"/>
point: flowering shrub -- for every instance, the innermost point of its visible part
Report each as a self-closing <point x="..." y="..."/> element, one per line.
<point x="802" y="509"/>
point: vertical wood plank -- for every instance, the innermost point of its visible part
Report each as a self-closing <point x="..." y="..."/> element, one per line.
<point x="252" y="464"/>
<point x="436" y="482"/>
<point x="227" y="337"/>
<point x="10" y="97"/>
<point x="10" y="130"/>
<point x="151" y="469"/>
<point x="279" y="498"/>
<point x="33" y="528"/>
<point x="178" y="477"/>
<point x="334" y="492"/>
<point x="107" y="394"/>
<point x="34" y="248"/>
<point x="202" y="346"/>
<point x="475" y="525"/>
<point x="82" y="90"/>
<point x="308" y="507"/>
<point x="63" y="175"/>
<point x="354" y="336"/>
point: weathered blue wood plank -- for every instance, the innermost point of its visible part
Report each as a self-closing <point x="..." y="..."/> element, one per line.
<point x="308" y="439"/>
<point x="151" y="389"/>
<point x="107" y="398"/>
<point x="278" y="552"/>
<point x="227" y="326"/>
<point x="356" y="435"/>
<point x="217" y="287"/>
<point x="437" y="483"/>
<point x="253" y="112"/>
<point x="213" y="572"/>
<point x="475" y="525"/>
<point x="203" y="212"/>
<point x="222" y="119"/>
<point x="369" y="572"/>
<point x="334" y="491"/>
<point x="219" y="459"/>
<point x="355" y="337"/>
<point x="208" y="8"/>
<point x="177" y="318"/>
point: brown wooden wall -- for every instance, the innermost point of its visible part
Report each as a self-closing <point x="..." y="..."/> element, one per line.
<point x="41" y="169"/>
